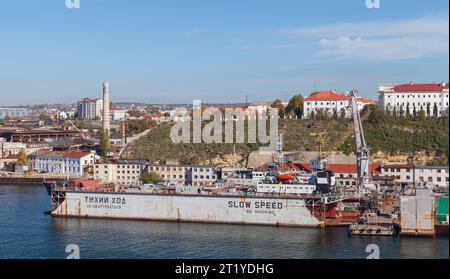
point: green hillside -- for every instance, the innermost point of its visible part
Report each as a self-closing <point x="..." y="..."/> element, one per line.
<point x="383" y="133"/>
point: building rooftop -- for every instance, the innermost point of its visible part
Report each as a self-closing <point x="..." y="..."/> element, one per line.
<point x="421" y="87"/>
<point x="89" y="100"/>
<point x="61" y="154"/>
<point x="334" y="96"/>
<point x="40" y="132"/>
<point x="327" y="96"/>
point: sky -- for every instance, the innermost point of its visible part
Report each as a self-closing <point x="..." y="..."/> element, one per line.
<point x="166" y="51"/>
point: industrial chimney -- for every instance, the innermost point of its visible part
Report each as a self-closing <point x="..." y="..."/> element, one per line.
<point x="106" y="120"/>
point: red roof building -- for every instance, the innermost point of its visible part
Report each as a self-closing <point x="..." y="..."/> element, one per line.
<point x="432" y="98"/>
<point x="331" y="103"/>
<point x="327" y="96"/>
<point x="420" y="87"/>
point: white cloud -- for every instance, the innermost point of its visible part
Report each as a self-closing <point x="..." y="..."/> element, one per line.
<point x="376" y="41"/>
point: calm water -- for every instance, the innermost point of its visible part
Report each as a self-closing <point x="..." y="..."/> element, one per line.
<point x="26" y="232"/>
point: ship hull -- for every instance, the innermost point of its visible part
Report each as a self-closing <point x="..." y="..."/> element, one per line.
<point x="441" y="229"/>
<point x="188" y="208"/>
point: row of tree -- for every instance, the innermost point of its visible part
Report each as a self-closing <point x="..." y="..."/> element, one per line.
<point x="421" y="112"/>
<point x="293" y="109"/>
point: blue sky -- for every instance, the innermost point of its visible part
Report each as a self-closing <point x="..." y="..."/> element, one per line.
<point x="170" y="51"/>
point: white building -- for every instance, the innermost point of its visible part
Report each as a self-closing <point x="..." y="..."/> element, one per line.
<point x="410" y="174"/>
<point x="118" y="114"/>
<point x="171" y="173"/>
<point x="331" y="103"/>
<point x="14" y="112"/>
<point x="124" y="172"/>
<point x="74" y="164"/>
<point x="10" y="148"/>
<point x="414" y="97"/>
<point x="202" y="176"/>
<point x="90" y="109"/>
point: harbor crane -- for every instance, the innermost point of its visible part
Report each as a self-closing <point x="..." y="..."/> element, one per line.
<point x="83" y="136"/>
<point x="362" y="150"/>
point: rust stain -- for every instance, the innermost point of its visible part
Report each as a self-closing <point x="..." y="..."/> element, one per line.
<point x="79" y="208"/>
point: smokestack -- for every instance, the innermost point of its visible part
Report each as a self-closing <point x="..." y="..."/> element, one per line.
<point x="106" y="121"/>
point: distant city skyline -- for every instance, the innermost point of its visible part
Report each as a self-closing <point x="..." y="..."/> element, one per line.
<point x="164" y="52"/>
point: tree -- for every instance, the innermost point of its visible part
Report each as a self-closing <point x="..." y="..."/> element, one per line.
<point x="321" y="115"/>
<point x="278" y="104"/>
<point x="428" y="109"/>
<point x="435" y="110"/>
<point x="414" y="110"/>
<point x="151" y="177"/>
<point x="22" y="161"/>
<point x="421" y="115"/>
<point x="408" y="112"/>
<point x="343" y="113"/>
<point x="402" y="111"/>
<point x="104" y="146"/>
<point x="135" y="113"/>
<point x="295" y="106"/>
<point x="335" y="114"/>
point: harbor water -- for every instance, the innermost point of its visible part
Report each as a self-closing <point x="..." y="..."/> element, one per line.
<point x="27" y="232"/>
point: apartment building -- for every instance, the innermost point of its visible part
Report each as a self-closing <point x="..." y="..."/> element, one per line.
<point x="122" y="172"/>
<point x="171" y="173"/>
<point x="202" y="176"/>
<point x="90" y="109"/>
<point x="409" y="174"/>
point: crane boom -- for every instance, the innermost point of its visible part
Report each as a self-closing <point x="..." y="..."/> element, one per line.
<point x="362" y="150"/>
<point x="83" y="136"/>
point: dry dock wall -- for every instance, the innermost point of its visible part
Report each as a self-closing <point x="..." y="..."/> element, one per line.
<point x="417" y="214"/>
<point x="204" y="209"/>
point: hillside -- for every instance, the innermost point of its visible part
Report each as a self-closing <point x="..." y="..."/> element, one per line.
<point x="390" y="135"/>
